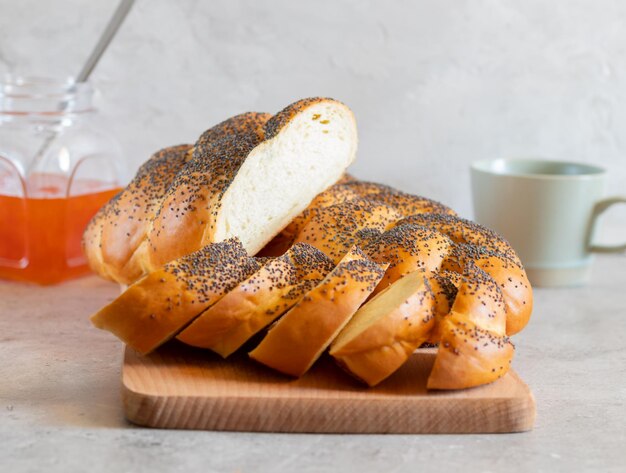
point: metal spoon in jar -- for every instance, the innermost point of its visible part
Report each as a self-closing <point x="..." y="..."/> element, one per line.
<point x="105" y="39"/>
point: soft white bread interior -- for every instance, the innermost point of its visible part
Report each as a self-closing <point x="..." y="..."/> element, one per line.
<point x="383" y="333"/>
<point x="307" y="148"/>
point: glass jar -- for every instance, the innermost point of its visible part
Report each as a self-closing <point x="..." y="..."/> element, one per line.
<point x="58" y="166"/>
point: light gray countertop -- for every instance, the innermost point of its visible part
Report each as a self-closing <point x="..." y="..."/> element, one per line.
<point x="60" y="407"/>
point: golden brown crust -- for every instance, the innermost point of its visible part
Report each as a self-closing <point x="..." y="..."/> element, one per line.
<point x="379" y="348"/>
<point x="257" y="301"/>
<point x="489" y="251"/>
<point x="250" y="122"/>
<point x="346" y="178"/>
<point x="508" y="273"/>
<point x="159" y="305"/>
<point x="186" y="219"/>
<point x="461" y="230"/>
<point x="408" y="248"/>
<point x="335" y="229"/>
<point x="444" y="285"/>
<point x="294" y="343"/>
<point x="468" y="356"/>
<point x="282" y="118"/>
<point x="92" y="240"/>
<point x="473" y="348"/>
<point x="406" y="204"/>
<point x="124" y="222"/>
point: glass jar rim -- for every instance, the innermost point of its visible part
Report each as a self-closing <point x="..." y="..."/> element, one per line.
<point x="46" y="96"/>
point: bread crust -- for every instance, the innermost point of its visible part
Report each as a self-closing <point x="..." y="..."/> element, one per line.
<point x="120" y="227"/>
<point x="408" y="248"/>
<point x="468" y="356"/>
<point x="473" y="347"/>
<point x="298" y="339"/>
<point x="186" y="219"/>
<point x="384" y="345"/>
<point x="406" y="204"/>
<point x="284" y="117"/>
<point x="489" y="251"/>
<point x="336" y="228"/>
<point x="257" y="301"/>
<point x="158" y="306"/>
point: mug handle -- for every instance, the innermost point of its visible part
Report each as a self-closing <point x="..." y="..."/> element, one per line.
<point x="598" y="209"/>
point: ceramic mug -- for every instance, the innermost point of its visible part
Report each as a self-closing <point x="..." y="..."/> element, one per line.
<point x="547" y="210"/>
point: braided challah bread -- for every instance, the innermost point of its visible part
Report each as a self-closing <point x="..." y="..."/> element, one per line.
<point x="360" y="267"/>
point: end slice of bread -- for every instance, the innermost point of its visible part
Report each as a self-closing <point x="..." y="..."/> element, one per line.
<point x="384" y="332"/>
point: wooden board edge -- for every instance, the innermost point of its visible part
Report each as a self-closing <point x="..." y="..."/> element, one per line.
<point x="339" y="416"/>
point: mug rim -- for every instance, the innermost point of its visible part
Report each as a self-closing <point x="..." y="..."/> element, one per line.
<point x="487" y="166"/>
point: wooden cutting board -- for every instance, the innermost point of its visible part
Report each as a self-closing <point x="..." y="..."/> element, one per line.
<point x="180" y="387"/>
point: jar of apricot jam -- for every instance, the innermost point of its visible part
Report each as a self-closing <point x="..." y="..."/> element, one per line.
<point x="58" y="166"/>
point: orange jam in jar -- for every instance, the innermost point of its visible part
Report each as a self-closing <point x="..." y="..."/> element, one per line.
<point x="57" y="168"/>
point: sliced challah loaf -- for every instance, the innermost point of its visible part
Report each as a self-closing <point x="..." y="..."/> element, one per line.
<point x="258" y="301"/>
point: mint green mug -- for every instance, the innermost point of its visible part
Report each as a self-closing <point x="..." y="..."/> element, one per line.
<point x="548" y="211"/>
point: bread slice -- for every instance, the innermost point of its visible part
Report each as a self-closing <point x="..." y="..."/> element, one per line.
<point x="114" y="234"/>
<point x="159" y="305"/>
<point x="384" y="333"/>
<point x="300" y="337"/>
<point x="252" y="185"/>
<point x="258" y="301"/>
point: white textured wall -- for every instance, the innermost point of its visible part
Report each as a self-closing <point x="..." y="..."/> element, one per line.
<point x="435" y="84"/>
